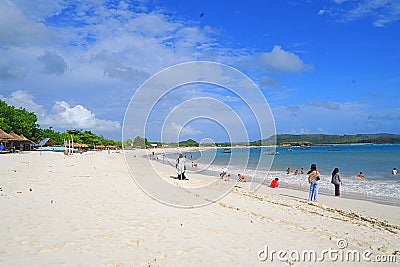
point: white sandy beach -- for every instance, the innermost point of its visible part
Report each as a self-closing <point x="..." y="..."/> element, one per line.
<point x="87" y="210"/>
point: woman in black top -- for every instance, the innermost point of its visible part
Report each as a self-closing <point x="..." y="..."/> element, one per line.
<point x="336" y="181"/>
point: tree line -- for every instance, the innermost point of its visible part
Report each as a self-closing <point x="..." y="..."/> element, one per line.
<point x="21" y="121"/>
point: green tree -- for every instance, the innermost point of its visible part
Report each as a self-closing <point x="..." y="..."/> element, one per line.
<point x="18" y="120"/>
<point x="139" y="141"/>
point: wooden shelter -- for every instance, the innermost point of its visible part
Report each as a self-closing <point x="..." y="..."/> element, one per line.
<point x="101" y="146"/>
<point x="4" y="137"/>
<point x="26" y="139"/>
<point x="78" y="145"/>
<point x="46" y="142"/>
<point x="7" y="141"/>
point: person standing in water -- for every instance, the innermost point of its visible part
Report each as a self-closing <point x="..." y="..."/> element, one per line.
<point x="336" y="181"/>
<point x="313" y="179"/>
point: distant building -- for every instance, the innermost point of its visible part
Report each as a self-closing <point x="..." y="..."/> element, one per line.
<point x="45" y="142"/>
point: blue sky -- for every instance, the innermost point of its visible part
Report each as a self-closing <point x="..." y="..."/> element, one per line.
<point x="324" y="66"/>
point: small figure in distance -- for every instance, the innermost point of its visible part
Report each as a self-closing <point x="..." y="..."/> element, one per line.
<point x="194" y="164"/>
<point x="274" y="183"/>
<point x="241" y="178"/>
<point x="361" y="175"/>
<point x="394" y="171"/>
<point x="223" y="173"/>
<point x="302" y="170"/>
<point x="296" y="172"/>
<point x="288" y="171"/>
<point x="228" y="178"/>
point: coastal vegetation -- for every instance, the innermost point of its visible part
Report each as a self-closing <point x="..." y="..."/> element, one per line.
<point x="21" y="121"/>
<point x="320" y="139"/>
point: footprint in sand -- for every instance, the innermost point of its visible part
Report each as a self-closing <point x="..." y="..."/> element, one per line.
<point x="134" y="243"/>
<point x="53" y="248"/>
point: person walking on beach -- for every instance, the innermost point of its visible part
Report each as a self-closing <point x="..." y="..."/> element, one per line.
<point x="313" y="179"/>
<point x="336" y="181"/>
<point x="180" y="167"/>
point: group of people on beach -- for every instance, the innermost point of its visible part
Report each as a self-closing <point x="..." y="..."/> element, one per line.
<point x="313" y="177"/>
<point x="227" y="177"/>
<point x="313" y="180"/>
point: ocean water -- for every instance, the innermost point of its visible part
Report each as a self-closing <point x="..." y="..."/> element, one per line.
<point x="375" y="161"/>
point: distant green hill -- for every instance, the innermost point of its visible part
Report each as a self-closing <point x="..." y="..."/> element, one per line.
<point x="317" y="139"/>
<point x="187" y="143"/>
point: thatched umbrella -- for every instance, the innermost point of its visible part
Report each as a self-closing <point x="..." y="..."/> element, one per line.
<point x="101" y="146"/>
<point x="5" y="136"/>
<point x="16" y="136"/>
<point x="77" y="145"/>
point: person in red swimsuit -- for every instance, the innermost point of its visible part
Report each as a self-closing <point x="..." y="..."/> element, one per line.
<point x="274" y="183"/>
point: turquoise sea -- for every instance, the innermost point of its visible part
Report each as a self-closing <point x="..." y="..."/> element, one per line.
<point x="375" y="161"/>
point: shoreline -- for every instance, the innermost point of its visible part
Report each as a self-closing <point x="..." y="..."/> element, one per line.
<point x="386" y="200"/>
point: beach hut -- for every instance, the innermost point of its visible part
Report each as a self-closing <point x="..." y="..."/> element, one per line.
<point x="7" y="141"/>
<point x="5" y="136"/>
<point x="101" y="146"/>
<point x="26" y="139"/>
<point x="18" y="141"/>
<point x="26" y="143"/>
<point x="46" y="142"/>
<point x="78" y="145"/>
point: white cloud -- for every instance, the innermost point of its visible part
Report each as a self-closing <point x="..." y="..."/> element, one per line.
<point x="175" y="129"/>
<point x="382" y="12"/>
<point x="321" y="117"/>
<point x="10" y="70"/>
<point x="18" y="29"/>
<point x="22" y="99"/>
<point x="39" y="9"/>
<point x="389" y="116"/>
<point x="78" y="117"/>
<point x="62" y="116"/>
<point x="279" y="60"/>
<point x="110" y="49"/>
